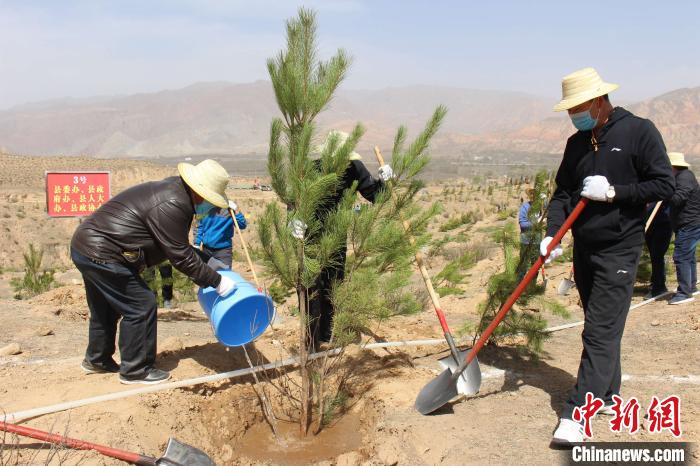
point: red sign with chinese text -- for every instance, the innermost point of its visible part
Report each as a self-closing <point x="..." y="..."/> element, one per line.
<point x="76" y="194"/>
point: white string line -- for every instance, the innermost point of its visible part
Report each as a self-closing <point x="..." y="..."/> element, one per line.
<point x="13" y="417"/>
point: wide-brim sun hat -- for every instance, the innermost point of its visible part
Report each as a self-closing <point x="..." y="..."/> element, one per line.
<point x="208" y="179"/>
<point x="581" y="86"/>
<point x="342" y="137"/>
<point x="678" y="159"/>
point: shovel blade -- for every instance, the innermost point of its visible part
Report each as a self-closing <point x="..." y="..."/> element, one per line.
<point x="181" y="454"/>
<point x="437" y="393"/>
<point x="469" y="382"/>
<point x="444" y="388"/>
<point x="565" y="286"/>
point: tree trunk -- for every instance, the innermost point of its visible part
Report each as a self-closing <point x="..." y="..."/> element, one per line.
<point x="306" y="382"/>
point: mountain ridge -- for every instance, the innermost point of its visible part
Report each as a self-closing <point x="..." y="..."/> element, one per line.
<point x="221" y="118"/>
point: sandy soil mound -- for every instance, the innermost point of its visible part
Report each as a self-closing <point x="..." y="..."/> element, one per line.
<point x="66" y="302"/>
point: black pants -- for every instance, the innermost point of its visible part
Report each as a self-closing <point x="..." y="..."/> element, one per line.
<point x="166" y="279"/>
<point x="114" y="291"/>
<point x="225" y="255"/>
<point x="605" y="281"/>
<point x="321" y="308"/>
<point x="658" y="239"/>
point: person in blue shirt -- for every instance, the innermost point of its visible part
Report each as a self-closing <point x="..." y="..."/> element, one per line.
<point x="528" y="255"/>
<point x="214" y="233"/>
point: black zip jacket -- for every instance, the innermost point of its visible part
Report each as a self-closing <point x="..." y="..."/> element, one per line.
<point x="632" y="156"/>
<point x="144" y="225"/>
<point x="685" y="202"/>
<point x="367" y="185"/>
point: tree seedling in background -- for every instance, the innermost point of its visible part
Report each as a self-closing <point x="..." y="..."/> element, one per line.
<point x="528" y="319"/>
<point x="35" y="280"/>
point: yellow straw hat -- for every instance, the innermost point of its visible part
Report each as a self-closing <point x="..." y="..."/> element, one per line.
<point x="208" y="179"/>
<point x="342" y="137"/>
<point x="582" y="86"/>
<point x="678" y="159"/>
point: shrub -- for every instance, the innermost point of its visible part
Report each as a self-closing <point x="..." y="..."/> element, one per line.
<point x="35" y="280"/>
<point x="467" y="218"/>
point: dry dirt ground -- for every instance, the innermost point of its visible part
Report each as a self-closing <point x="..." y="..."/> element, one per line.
<point x="509" y="422"/>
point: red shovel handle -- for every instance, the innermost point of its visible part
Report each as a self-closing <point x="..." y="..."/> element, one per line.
<point x="532" y="273"/>
<point x="129" y="457"/>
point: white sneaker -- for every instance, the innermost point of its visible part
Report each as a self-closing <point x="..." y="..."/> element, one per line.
<point x="567" y="432"/>
<point x="607" y="410"/>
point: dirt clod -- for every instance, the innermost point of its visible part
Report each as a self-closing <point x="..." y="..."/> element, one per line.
<point x="10" y="350"/>
<point x="352" y="458"/>
<point x="44" y="331"/>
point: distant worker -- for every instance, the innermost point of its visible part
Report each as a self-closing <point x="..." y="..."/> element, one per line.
<point x="214" y="232"/>
<point x="658" y="238"/>
<point x="618" y="161"/>
<point x="138" y="228"/>
<point x="685" y="220"/>
<point x="166" y="282"/>
<point x="321" y="308"/>
<point x="528" y="235"/>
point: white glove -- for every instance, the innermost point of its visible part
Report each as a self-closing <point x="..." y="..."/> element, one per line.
<point x="298" y="228"/>
<point x="543" y="196"/>
<point x="226" y="286"/>
<point x="232" y="205"/>
<point x="386" y="173"/>
<point x="595" y="188"/>
<point x="556" y="252"/>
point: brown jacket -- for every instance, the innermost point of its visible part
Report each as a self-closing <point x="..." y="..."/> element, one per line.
<point x="143" y="226"/>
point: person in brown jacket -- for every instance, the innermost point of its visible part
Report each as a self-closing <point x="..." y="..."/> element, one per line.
<point x="141" y="227"/>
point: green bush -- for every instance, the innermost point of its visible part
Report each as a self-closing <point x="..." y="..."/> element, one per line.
<point x="35" y="280"/>
<point x="279" y="292"/>
<point x="467" y="218"/>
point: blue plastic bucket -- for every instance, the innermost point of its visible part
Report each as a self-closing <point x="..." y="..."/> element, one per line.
<point x="240" y="317"/>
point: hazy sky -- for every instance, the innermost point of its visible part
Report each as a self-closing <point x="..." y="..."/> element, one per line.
<point x="80" y="48"/>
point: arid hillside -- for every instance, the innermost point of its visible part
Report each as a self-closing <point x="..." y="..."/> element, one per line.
<point x="676" y="115"/>
<point x="224" y="118"/>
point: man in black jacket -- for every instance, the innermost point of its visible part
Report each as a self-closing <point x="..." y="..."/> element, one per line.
<point x="138" y="228"/>
<point x="658" y="238"/>
<point x="321" y="308"/>
<point x="619" y="162"/>
<point x="685" y="220"/>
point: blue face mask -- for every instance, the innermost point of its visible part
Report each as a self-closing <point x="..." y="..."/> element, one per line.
<point x="203" y="208"/>
<point x="584" y="121"/>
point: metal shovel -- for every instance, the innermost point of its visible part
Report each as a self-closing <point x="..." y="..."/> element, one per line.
<point x="566" y="284"/>
<point x="176" y="452"/>
<point x="444" y="388"/>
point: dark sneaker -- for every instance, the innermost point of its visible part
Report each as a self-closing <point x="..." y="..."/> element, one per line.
<point x="151" y="377"/>
<point x="681" y="299"/>
<point x="654" y="294"/>
<point x="100" y="368"/>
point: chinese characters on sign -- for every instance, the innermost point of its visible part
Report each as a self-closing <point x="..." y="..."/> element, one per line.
<point x="76" y="194"/>
<point x="662" y="414"/>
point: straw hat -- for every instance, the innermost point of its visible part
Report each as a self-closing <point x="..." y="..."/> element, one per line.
<point x="342" y="137"/>
<point x="582" y="86"/>
<point x="208" y="179"/>
<point x="678" y="159"/>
